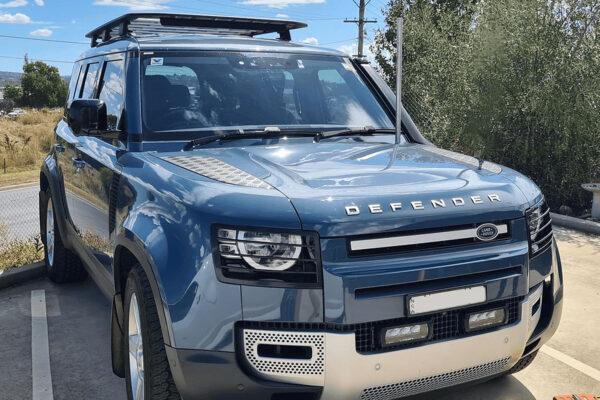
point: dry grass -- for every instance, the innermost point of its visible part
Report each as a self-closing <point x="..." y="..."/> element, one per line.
<point x="25" y="141"/>
<point x="18" y="252"/>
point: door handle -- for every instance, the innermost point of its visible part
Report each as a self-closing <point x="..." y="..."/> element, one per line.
<point x="59" y="148"/>
<point x="78" y="162"/>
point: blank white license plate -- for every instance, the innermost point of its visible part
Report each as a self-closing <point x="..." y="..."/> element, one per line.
<point x="446" y="300"/>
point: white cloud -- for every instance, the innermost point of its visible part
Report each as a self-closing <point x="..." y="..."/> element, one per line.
<point x="17" y="18"/>
<point x="313" y="41"/>
<point x="280" y="3"/>
<point x="39" y="2"/>
<point x="14" y="3"/>
<point x="73" y="21"/>
<point x="282" y="16"/>
<point x="41" y="32"/>
<point x="352" y="49"/>
<point x="135" y="4"/>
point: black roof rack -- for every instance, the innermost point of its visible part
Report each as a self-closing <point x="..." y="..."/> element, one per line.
<point x="159" y="24"/>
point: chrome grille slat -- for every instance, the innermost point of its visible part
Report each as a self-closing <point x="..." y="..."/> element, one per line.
<point x="426" y="239"/>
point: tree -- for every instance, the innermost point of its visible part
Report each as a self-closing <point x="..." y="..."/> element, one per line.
<point x="517" y="81"/>
<point x="13" y="92"/>
<point x="42" y="85"/>
<point x="6" y="105"/>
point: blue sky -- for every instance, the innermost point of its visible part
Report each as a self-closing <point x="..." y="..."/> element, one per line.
<point x="71" y="20"/>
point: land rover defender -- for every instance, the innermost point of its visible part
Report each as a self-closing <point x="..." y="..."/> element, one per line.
<point x="263" y="232"/>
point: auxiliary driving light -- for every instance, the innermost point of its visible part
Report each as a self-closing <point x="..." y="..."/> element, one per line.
<point x="486" y="319"/>
<point x="408" y="333"/>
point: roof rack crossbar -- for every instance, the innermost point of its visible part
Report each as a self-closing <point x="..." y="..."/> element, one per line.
<point x="157" y="24"/>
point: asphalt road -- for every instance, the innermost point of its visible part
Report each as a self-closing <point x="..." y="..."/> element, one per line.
<point x="79" y="359"/>
<point x="19" y="209"/>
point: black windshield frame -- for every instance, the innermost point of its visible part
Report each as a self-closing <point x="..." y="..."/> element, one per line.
<point x="192" y="133"/>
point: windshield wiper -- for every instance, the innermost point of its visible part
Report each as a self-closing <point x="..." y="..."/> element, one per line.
<point x="367" y="130"/>
<point x="269" y="131"/>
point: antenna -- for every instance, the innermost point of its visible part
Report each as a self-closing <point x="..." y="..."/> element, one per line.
<point x="399" y="81"/>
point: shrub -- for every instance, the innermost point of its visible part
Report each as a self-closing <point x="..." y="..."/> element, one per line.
<point x="18" y="252"/>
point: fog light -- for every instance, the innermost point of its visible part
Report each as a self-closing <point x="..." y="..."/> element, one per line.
<point x="486" y="319"/>
<point x="403" y="334"/>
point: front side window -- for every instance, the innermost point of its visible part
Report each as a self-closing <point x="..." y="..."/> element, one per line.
<point x="188" y="95"/>
<point x="89" y="81"/>
<point x="111" y="91"/>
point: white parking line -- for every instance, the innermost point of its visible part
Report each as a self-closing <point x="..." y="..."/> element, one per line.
<point x="571" y="362"/>
<point x="40" y="351"/>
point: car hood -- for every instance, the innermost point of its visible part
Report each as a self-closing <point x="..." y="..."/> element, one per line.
<point x="349" y="188"/>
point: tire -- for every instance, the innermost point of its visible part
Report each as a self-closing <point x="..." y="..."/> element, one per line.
<point x="522" y="363"/>
<point x="62" y="265"/>
<point x="150" y="359"/>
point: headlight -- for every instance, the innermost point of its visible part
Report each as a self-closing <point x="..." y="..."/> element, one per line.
<point x="275" y="258"/>
<point x="539" y="227"/>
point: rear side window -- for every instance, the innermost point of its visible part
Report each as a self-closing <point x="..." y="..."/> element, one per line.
<point x="111" y="91"/>
<point x="89" y="80"/>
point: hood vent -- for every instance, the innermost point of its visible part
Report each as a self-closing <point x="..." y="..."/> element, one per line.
<point x="471" y="161"/>
<point x="218" y="170"/>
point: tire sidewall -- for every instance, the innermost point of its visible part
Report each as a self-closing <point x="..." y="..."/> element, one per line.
<point x="134" y="286"/>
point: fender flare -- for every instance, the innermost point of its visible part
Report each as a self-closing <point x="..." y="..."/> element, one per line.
<point x="50" y="172"/>
<point x="127" y="240"/>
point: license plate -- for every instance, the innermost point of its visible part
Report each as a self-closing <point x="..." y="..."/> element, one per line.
<point x="445" y="300"/>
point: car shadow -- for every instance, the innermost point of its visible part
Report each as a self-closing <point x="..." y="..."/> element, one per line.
<point x="578" y="239"/>
<point x="501" y="388"/>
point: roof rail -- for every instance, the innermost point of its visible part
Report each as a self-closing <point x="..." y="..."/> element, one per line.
<point x="159" y="24"/>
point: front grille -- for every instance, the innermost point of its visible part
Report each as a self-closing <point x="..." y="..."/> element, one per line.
<point x="421" y="385"/>
<point x="423" y="239"/>
<point x="445" y="325"/>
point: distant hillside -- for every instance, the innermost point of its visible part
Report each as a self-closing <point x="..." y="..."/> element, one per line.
<point x="9" y="77"/>
<point x="15" y="77"/>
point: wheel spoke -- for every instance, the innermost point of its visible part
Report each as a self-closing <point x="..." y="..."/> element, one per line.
<point x="136" y="350"/>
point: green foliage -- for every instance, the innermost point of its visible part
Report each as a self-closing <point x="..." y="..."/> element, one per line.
<point x="42" y="85"/>
<point x="517" y="81"/>
<point x="6" y="105"/>
<point x="13" y="92"/>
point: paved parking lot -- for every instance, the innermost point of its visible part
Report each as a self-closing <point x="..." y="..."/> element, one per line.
<point x="79" y="358"/>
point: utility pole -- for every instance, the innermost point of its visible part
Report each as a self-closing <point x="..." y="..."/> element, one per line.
<point x="361" y="21"/>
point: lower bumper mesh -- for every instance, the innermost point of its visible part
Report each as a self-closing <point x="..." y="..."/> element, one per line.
<point x="409" y="388"/>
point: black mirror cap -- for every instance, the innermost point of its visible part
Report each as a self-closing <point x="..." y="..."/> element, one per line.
<point x="87" y="117"/>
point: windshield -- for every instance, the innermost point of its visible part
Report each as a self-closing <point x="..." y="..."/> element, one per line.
<point x="191" y="94"/>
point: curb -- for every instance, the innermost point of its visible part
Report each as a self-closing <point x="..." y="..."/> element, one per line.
<point x="577" y="224"/>
<point x="14" y="276"/>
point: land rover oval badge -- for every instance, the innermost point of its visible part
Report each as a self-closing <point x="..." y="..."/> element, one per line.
<point x="487" y="232"/>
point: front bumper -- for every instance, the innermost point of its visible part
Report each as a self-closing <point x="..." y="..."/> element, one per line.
<point x="336" y="370"/>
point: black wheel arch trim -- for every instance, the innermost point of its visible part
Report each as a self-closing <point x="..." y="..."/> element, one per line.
<point x="127" y="240"/>
<point x="58" y="200"/>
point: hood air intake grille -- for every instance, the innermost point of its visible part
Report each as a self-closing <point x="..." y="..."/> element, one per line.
<point x="217" y="170"/>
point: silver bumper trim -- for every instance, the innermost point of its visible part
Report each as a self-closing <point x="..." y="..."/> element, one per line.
<point x="350" y="375"/>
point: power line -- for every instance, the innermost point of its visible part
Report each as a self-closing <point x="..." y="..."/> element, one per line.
<point x="337" y="41"/>
<point x="361" y="21"/>
<point x="38" y="59"/>
<point x="42" y="40"/>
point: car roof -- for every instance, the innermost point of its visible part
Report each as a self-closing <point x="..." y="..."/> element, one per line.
<point x="207" y="43"/>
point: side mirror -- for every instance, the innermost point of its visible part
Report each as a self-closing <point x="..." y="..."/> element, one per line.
<point x="87" y="117"/>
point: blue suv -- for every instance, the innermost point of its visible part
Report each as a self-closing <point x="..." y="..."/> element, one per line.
<point x="263" y="232"/>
